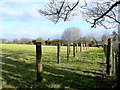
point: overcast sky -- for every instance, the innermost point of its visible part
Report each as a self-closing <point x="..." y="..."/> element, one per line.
<point x="19" y="18"/>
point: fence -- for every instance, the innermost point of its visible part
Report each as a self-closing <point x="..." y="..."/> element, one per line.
<point x="39" y="56"/>
<point x="112" y="55"/>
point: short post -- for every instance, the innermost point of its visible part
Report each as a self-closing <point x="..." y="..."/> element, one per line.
<point x="39" y="61"/>
<point x="73" y="50"/>
<point x="58" y="52"/>
<point x="109" y="57"/>
<point x="68" y="51"/>
<point x="118" y="69"/>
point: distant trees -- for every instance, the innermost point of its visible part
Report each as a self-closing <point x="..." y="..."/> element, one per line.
<point x="20" y="41"/>
<point x="31" y="42"/>
<point x="56" y="41"/>
<point x="47" y="42"/>
<point x="105" y="38"/>
<point x="2" y="40"/>
<point x="86" y="39"/>
<point x="25" y="41"/>
<point x="72" y="35"/>
<point x="39" y="40"/>
<point x="115" y="36"/>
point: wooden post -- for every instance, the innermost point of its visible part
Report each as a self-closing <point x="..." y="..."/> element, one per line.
<point x="105" y="49"/>
<point x="77" y="48"/>
<point x="73" y="50"/>
<point x="68" y="51"/>
<point x="83" y="46"/>
<point x="58" y="52"/>
<point x="116" y="63"/>
<point x="39" y="61"/>
<point x="80" y="47"/>
<point x="113" y="62"/>
<point x="118" y="69"/>
<point x="86" y="46"/>
<point x="109" y="57"/>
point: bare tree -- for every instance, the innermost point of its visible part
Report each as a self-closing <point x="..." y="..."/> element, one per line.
<point x="104" y="13"/>
<point x="100" y="12"/>
<point x="72" y="35"/>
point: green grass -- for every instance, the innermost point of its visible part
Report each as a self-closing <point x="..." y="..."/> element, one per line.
<point x="86" y="70"/>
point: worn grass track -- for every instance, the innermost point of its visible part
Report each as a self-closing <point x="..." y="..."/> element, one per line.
<point x="86" y="70"/>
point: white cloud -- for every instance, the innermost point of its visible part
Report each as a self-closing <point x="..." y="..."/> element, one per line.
<point x="25" y="0"/>
<point x="49" y="0"/>
<point x="21" y="12"/>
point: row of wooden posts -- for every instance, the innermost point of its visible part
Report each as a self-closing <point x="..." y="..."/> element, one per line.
<point x="112" y="66"/>
<point x="39" y="56"/>
<point x="112" y="61"/>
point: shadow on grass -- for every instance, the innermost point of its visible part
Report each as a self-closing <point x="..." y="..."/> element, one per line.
<point x="20" y="74"/>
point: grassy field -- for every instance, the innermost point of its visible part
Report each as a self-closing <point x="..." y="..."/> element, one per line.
<point x="86" y="70"/>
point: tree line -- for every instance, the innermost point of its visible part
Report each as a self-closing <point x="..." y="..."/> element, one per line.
<point x="72" y="35"/>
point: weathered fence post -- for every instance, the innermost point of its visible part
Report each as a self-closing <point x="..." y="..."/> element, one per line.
<point x="116" y="63"/>
<point x="118" y="69"/>
<point x="73" y="50"/>
<point x="105" y="50"/>
<point x="80" y="47"/>
<point x="109" y="57"/>
<point x="86" y="46"/>
<point x="77" y="48"/>
<point x="68" y="51"/>
<point x="113" y="62"/>
<point x="83" y="46"/>
<point x="39" y="61"/>
<point x="58" y="52"/>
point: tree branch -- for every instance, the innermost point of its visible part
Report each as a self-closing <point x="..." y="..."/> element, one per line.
<point x="114" y="5"/>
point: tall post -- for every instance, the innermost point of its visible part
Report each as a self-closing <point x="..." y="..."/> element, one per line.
<point x="39" y="61"/>
<point x="73" y="50"/>
<point x="80" y="47"/>
<point x="113" y="62"/>
<point x="118" y="69"/>
<point x="109" y="58"/>
<point x="105" y="50"/>
<point x="77" y="48"/>
<point x="83" y="46"/>
<point x="58" y="52"/>
<point x="68" y="51"/>
<point x="116" y="63"/>
<point x="86" y="46"/>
